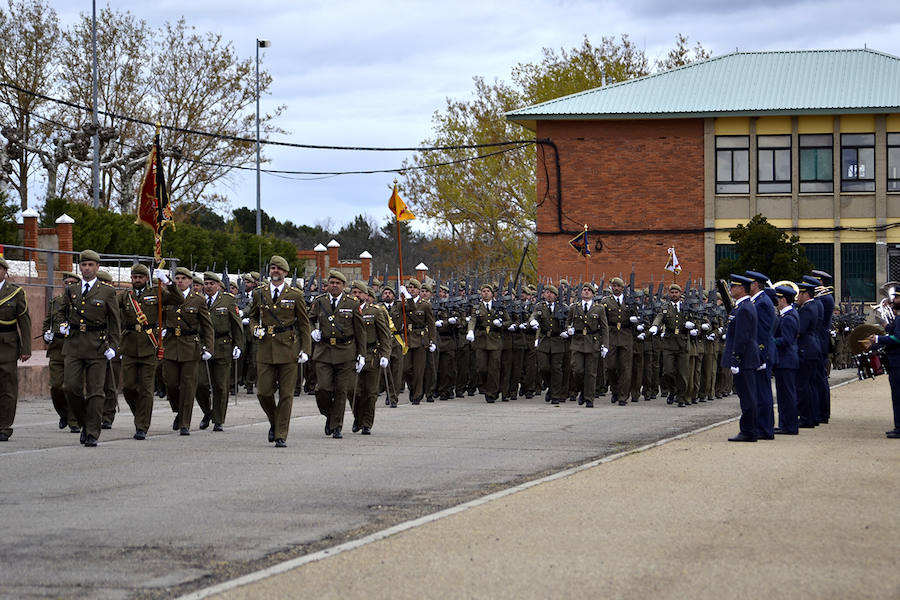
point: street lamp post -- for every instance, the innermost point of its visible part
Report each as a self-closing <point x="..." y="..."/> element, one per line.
<point x="259" y="44"/>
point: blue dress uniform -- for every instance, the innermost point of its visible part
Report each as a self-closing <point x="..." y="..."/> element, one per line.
<point x="809" y="354"/>
<point x="891" y="342"/>
<point x="765" y="329"/>
<point x="826" y="298"/>
<point x="742" y="352"/>
<point x="787" y="362"/>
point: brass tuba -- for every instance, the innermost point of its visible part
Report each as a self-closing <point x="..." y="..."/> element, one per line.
<point x="788" y="283"/>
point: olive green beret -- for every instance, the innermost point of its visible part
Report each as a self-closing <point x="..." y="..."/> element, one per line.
<point x="674" y="286"/>
<point x="376" y="281"/>
<point x="104" y="276"/>
<point x="489" y="286"/>
<point x="563" y="282"/>
<point x="89" y="255"/>
<point x="3" y="263"/>
<point x="184" y="271"/>
<point x="255" y="275"/>
<point x="552" y="288"/>
<point x="413" y="283"/>
<point x="210" y="276"/>
<point x="428" y="286"/>
<point x="197" y="279"/>
<point x="337" y="275"/>
<point x="590" y="286"/>
<point x="617" y="281"/>
<point x="445" y="288"/>
<point x="68" y="274"/>
<point x="361" y="286"/>
<point x="140" y="269"/>
<point x="280" y="262"/>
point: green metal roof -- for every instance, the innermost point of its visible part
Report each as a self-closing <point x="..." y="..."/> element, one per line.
<point x="740" y="84"/>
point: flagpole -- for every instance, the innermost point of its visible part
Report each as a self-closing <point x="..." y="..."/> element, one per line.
<point x="587" y="254"/>
<point x="157" y="252"/>
<point x="400" y="274"/>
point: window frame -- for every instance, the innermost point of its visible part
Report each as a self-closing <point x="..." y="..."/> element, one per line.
<point x="737" y="185"/>
<point x="857" y="183"/>
<point x="817" y="185"/>
<point x="774" y="185"/>
<point x="893" y="143"/>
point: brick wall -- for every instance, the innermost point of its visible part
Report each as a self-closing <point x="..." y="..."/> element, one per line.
<point x="622" y="175"/>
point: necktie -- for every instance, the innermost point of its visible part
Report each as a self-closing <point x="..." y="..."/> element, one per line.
<point x="275" y="296"/>
<point x="209" y="302"/>
<point x="87" y="288"/>
<point x="552" y="304"/>
<point x="333" y="304"/>
<point x="585" y="307"/>
<point x="619" y="300"/>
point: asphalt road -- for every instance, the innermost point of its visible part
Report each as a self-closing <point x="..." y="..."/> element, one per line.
<point x="162" y="517"/>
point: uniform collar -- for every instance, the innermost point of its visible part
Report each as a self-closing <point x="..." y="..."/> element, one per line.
<point x="756" y="295"/>
<point x="273" y="287"/>
<point x="742" y="298"/>
<point x="213" y="298"/>
<point x="90" y="283"/>
<point x="186" y="292"/>
<point x="787" y="309"/>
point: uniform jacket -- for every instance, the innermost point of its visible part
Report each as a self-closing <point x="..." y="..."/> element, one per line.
<point x="420" y="323"/>
<point x="765" y="327"/>
<point x="808" y="337"/>
<point x="591" y="329"/>
<point x="15" y="323"/>
<point x="135" y="341"/>
<point x="618" y="319"/>
<point x="226" y="323"/>
<point x="741" y="349"/>
<point x="52" y="321"/>
<point x="395" y="312"/>
<point x="487" y="335"/>
<point x="377" y="332"/>
<point x="827" y="304"/>
<point x="550" y="326"/>
<point x="786" y="327"/>
<point x="286" y="324"/>
<point x="94" y="321"/>
<point x="447" y="332"/>
<point x="671" y="321"/>
<point x="343" y="337"/>
<point x="188" y="330"/>
<point x="891" y="341"/>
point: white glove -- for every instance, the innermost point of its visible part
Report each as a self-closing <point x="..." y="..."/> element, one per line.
<point x="439" y="323"/>
<point x="64" y="328"/>
<point x="360" y="363"/>
<point x="603" y="351"/>
<point x="571" y="330"/>
<point x="405" y="294"/>
<point x="633" y="319"/>
<point x="245" y="321"/>
<point x="653" y="329"/>
<point x="470" y="336"/>
<point x="162" y="276"/>
<point x="564" y="335"/>
<point x="240" y="313"/>
<point x="383" y="362"/>
<point x="304" y="357"/>
<point x="724" y="336"/>
<point x="523" y="325"/>
<point x="206" y="355"/>
<point x="235" y="353"/>
<point x="711" y="337"/>
<point x="316" y="335"/>
<point x="705" y="327"/>
<point x="432" y="347"/>
<point x="259" y="332"/>
<point x="846" y="329"/>
<point x="735" y="370"/>
<point x="109" y="354"/>
<point x="663" y="334"/>
<point x="512" y="327"/>
<point x="468" y="319"/>
<point x="833" y="333"/>
<point x="761" y="367"/>
<point x="536" y="342"/>
<point x="640" y="327"/>
<point x="163" y="332"/>
<point x="452" y="320"/>
<point x="689" y="325"/>
<point x="48" y="336"/>
<point x="641" y="336"/>
<point x="721" y="330"/>
<point x="534" y="324"/>
<point x="693" y="333"/>
<point x="497" y="323"/>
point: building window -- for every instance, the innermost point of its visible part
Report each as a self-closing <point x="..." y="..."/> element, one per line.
<point x="773" y="164"/>
<point x="725" y="252"/>
<point x="893" y="162"/>
<point x="816" y="163"/>
<point x="733" y="164"/>
<point x="858" y="162"/>
<point x="821" y="256"/>
<point x="857" y="272"/>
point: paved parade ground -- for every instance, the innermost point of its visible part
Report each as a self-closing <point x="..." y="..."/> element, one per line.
<point x="808" y="516"/>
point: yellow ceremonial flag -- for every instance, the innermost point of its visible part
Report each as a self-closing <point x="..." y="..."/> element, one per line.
<point x="398" y="207"/>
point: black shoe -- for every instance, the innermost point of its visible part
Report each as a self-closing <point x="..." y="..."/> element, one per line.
<point x="429" y="399"/>
<point x="650" y="397"/>
<point x="694" y="401"/>
<point x="709" y="398"/>
<point x="336" y="434"/>
<point x="529" y="396"/>
<point x="701" y="400"/>
<point x="176" y="424"/>
<point x="471" y="393"/>
<point x="4" y="437"/>
<point x="105" y="425"/>
<point x="217" y="427"/>
<point x="893" y="435"/>
<point x="589" y="404"/>
<point x="680" y="404"/>
<point x="460" y="395"/>
<point x="387" y="401"/>
<point x="415" y="402"/>
<point x="279" y="443"/>
<point x="84" y="435"/>
<point x="670" y="399"/>
<point x="614" y="400"/>
<point x="571" y="398"/>
<point x="489" y="399"/>
<point x="766" y="437"/>
<point x="355" y="427"/>
<point x="271" y="436"/>
<point x="204" y="422"/>
<point x="636" y="399"/>
<point x="580" y="399"/>
<point x="184" y="431"/>
<point x="140" y="434"/>
<point x="554" y="402"/>
<point x="63" y="423"/>
<point x="780" y="431"/>
<point x="741" y="437"/>
<point x="504" y="399"/>
<point x="622" y="403"/>
<point x="74" y="429"/>
<point x="249" y="388"/>
<point x="805" y="426"/>
<point x="90" y="442"/>
<point x="718" y="396"/>
<point x="328" y="430"/>
<point x="895" y="430"/>
<point x="393" y="404"/>
<point x="366" y="431"/>
<point x="547" y="397"/>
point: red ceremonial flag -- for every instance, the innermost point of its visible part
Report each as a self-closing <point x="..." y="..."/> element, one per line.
<point x="580" y="243"/>
<point x="153" y="208"/>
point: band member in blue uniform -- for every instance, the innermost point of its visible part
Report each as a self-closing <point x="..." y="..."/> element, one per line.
<point x="808" y="352"/>
<point x="891" y="342"/>
<point x="786" y="361"/>
<point x="741" y="355"/>
<point x="825" y="297"/>
<point x="765" y="329"/>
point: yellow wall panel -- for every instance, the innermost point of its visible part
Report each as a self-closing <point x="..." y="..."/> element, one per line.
<point x="724" y="227"/>
<point x="857" y="123"/>
<point x="816" y="237"/>
<point x="773" y="125"/>
<point x="733" y="126"/>
<point x="815" y="124"/>
<point x="858" y="236"/>
<point x="858" y="222"/>
<point x="893" y="123"/>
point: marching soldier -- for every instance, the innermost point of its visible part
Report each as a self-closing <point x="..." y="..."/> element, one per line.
<point x="529" y="358"/>
<point x="676" y="327"/>
<point x="619" y="317"/>
<point x="113" y="374"/>
<point x="15" y="344"/>
<point x="229" y="337"/>
<point x="90" y="321"/>
<point x="549" y="325"/>
<point x="139" y="308"/>
<point x="787" y="361"/>
<point x="248" y="354"/>
<point x="340" y="340"/>
<point x="487" y="320"/>
<point x="466" y="373"/>
<point x="421" y="335"/>
<point x="187" y="340"/>
<point x="810" y="354"/>
<point x="279" y="320"/>
<point x="429" y="379"/>
<point x="589" y="332"/>
<point x="395" y="367"/>
<point x="378" y="348"/>
<point x="446" y="324"/>
<point x="765" y="315"/>
<point x="742" y="355"/>
<point x="55" y="341"/>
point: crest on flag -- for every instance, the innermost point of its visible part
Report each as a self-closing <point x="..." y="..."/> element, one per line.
<point x="672" y="264"/>
<point x="153" y="208"/>
<point x="580" y="243"/>
<point x="398" y="207"/>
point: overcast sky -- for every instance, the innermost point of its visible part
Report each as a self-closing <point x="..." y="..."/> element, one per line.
<point x="369" y="73"/>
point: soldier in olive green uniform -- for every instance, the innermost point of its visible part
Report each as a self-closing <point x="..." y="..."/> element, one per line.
<point x="529" y="357"/>
<point x="446" y="323"/>
<point x="15" y="344"/>
<point x="340" y="340"/>
<point x="589" y="334"/>
<point x="248" y="352"/>
<point x="229" y="337"/>
<point x="486" y="323"/>
<point x="187" y="340"/>
<point x="549" y="325"/>
<point x="378" y="348"/>
<point x="395" y="368"/>
<point x="92" y="326"/>
<point x="113" y="374"/>
<point x="139" y="308"/>
<point x="673" y="324"/>
<point x="56" y="360"/>
<point x="620" y="317"/>
<point x="429" y="377"/>
<point x="466" y="371"/>
<point x="421" y="335"/>
<point x="279" y="320"/>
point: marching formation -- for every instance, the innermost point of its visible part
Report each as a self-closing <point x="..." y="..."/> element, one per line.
<point x="355" y="342"/>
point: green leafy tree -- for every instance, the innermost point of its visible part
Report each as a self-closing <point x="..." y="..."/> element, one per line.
<point x="762" y="247"/>
<point x="9" y="232"/>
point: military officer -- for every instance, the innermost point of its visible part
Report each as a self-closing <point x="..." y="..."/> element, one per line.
<point x="429" y="379"/>
<point x="589" y="332"/>
<point x="891" y="346"/>
<point x="676" y="326"/>
<point x="248" y="352"/>
<point x="340" y="348"/>
<point x="113" y="374"/>
<point x="421" y="336"/>
<point x="139" y="308"/>
<point x="825" y="297"/>
<point x="197" y="284"/>
<point x="620" y="318"/>
<point x="466" y="372"/>
<point x="280" y="321"/>
<point x="529" y="358"/>
<point x="15" y="344"/>
<point x="765" y="315"/>
<point x="786" y="361"/>
<point x="187" y="340"/>
<point x="742" y="356"/>
<point x="487" y="320"/>
<point x="91" y="323"/>
<point x="395" y="367"/>
<point x="447" y="325"/>
<point x="378" y="348"/>
<point x="55" y="341"/>
<point x="229" y="338"/>
<point x="809" y="352"/>
<point x="549" y="324"/>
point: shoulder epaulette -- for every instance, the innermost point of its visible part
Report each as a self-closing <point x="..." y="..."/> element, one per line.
<point x="229" y="294"/>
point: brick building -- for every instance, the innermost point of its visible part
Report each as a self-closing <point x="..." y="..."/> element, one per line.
<point x="809" y="139"/>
